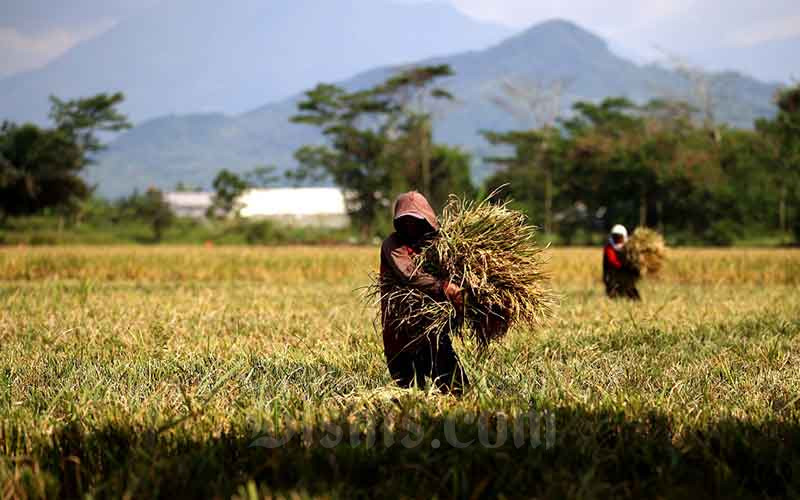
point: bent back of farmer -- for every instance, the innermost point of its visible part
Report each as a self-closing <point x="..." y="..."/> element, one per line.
<point x="410" y="355"/>
<point x="618" y="276"/>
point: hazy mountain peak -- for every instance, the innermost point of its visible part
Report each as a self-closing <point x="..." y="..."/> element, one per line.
<point x="558" y="32"/>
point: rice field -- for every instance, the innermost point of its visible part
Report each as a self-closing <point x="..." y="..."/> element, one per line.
<point x="258" y="372"/>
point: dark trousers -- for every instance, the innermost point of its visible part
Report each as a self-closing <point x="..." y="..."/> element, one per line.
<point x="621" y="285"/>
<point x="623" y="292"/>
<point x="432" y="358"/>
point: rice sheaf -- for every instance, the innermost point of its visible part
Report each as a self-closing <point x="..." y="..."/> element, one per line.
<point x="646" y="251"/>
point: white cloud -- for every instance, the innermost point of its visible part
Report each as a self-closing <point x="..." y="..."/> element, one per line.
<point x="21" y="51"/>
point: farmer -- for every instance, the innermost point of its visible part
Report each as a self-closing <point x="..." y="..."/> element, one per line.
<point x="618" y="276"/>
<point x="411" y="356"/>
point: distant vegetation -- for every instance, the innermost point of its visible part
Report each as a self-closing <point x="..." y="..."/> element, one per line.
<point x="128" y="222"/>
<point x="654" y="166"/>
<point x="666" y="164"/>
<point x="45" y="200"/>
<point x="40" y="168"/>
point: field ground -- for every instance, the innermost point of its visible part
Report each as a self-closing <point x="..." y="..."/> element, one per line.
<point x="159" y="372"/>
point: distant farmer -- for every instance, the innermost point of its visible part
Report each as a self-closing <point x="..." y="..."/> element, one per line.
<point x="411" y="356"/>
<point x="618" y="275"/>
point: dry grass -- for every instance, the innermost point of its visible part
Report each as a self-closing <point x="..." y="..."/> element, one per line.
<point x="150" y="371"/>
<point x="566" y="266"/>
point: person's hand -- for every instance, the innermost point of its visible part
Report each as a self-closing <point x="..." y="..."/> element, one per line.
<point x="454" y="294"/>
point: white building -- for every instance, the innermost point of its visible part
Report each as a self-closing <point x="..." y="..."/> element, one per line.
<point x="323" y="207"/>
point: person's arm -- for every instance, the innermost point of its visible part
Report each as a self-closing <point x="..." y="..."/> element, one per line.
<point x="613" y="259"/>
<point x="401" y="263"/>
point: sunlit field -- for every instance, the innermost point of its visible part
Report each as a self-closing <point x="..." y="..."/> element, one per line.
<point x="174" y="371"/>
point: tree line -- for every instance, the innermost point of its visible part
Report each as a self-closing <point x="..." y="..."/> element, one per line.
<point x="662" y="164"/>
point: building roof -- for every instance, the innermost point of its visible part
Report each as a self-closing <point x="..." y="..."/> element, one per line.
<point x="292" y="202"/>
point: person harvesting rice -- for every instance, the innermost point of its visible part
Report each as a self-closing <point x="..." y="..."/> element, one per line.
<point x="477" y="271"/>
<point x="626" y="260"/>
<point x="619" y="275"/>
<point x="411" y="356"/>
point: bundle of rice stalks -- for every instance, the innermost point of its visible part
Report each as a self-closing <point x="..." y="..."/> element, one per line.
<point x="646" y="251"/>
<point x="490" y="251"/>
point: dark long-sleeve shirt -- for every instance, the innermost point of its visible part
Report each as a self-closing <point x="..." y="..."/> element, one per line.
<point x="397" y="260"/>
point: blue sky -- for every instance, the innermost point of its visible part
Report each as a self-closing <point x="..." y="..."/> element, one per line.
<point x="33" y="32"/>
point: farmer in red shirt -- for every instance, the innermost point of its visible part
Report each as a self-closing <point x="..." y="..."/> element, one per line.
<point x="413" y="357"/>
<point x="618" y="275"/>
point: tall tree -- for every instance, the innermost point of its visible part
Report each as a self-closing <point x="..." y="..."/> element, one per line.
<point x="367" y="131"/>
<point x="530" y="169"/>
<point x="228" y="186"/>
<point x="412" y="89"/>
<point x="783" y="136"/>
<point x="262" y="176"/>
<point x="40" y="168"/>
<point x="153" y="208"/>
<point x="356" y="127"/>
<point x="537" y="104"/>
<point x="83" y="118"/>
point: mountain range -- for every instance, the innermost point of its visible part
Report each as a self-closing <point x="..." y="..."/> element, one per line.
<point x="192" y="148"/>
<point x="189" y="56"/>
